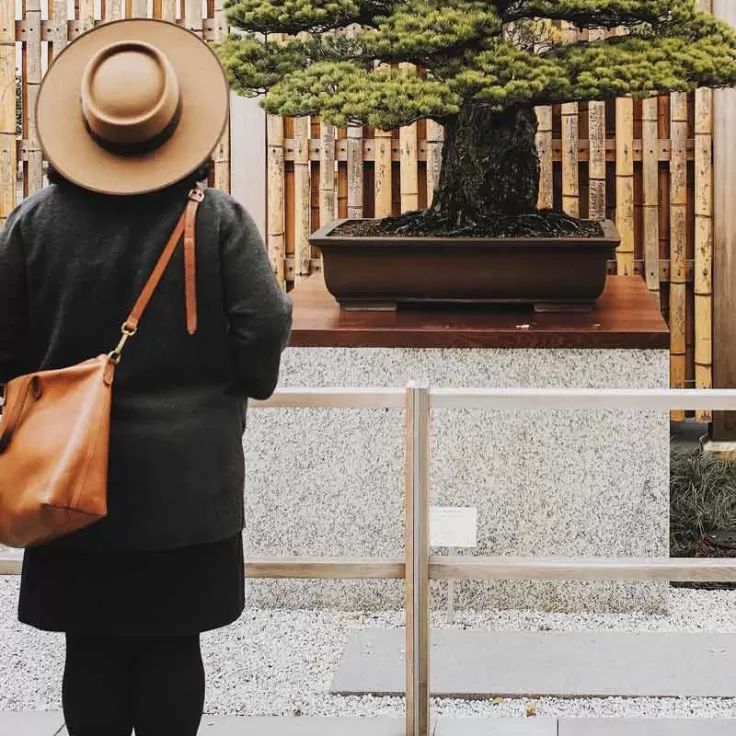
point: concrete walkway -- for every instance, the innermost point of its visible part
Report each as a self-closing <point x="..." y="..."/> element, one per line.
<point x="51" y="724"/>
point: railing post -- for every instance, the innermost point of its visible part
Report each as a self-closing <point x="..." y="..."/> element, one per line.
<point x="417" y="560"/>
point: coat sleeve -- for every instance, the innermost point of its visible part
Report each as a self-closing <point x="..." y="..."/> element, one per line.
<point x="13" y="302"/>
<point x="259" y="313"/>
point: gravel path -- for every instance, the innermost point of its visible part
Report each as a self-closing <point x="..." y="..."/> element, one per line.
<point x="281" y="662"/>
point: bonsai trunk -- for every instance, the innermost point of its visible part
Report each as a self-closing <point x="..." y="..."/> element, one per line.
<point x="489" y="184"/>
<point x="490" y="166"/>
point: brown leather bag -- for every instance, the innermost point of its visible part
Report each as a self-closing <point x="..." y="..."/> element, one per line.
<point x="55" y="427"/>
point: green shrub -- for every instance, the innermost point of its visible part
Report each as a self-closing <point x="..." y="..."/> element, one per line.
<point x="702" y="499"/>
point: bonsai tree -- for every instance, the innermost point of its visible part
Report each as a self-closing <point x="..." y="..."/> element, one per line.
<point x="481" y="66"/>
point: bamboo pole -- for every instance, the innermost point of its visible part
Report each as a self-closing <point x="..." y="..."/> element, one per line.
<point x="137" y="8"/>
<point x="545" y="198"/>
<point x="625" y="185"/>
<point x="31" y="56"/>
<point x="113" y="10"/>
<point x="342" y="177"/>
<point x="544" y="147"/>
<point x="678" y="244"/>
<point x="409" y="143"/>
<point x="650" y="201"/>
<point x="570" y="162"/>
<point x="383" y="166"/>
<point x="663" y="133"/>
<point x="58" y="34"/>
<point x="703" y="240"/>
<point x="276" y="192"/>
<point x="221" y="155"/>
<point x="302" y="197"/>
<point x="409" y="161"/>
<point x="192" y="15"/>
<point x="435" y="139"/>
<point x="383" y="173"/>
<point x="355" y="172"/>
<point x="570" y="143"/>
<point x="8" y="146"/>
<point x="166" y="10"/>
<point x="723" y="426"/>
<point x="276" y="182"/>
<point x="597" y="164"/>
<point x="326" y="180"/>
<point x="86" y="15"/>
<point x="703" y="270"/>
<point x="327" y="200"/>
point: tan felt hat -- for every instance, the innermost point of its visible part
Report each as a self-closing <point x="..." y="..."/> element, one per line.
<point x="132" y="107"/>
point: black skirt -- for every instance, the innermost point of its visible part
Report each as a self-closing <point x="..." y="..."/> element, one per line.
<point x="176" y="592"/>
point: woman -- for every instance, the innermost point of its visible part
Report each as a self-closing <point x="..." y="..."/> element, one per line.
<point x="134" y="591"/>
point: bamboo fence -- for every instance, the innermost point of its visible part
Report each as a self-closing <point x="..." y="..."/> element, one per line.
<point x="42" y="31"/>
<point x="647" y="165"/>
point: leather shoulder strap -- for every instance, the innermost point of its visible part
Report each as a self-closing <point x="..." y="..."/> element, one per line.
<point x="185" y="226"/>
<point x="190" y="274"/>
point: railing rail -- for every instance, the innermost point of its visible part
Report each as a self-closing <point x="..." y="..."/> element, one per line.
<point x="419" y="567"/>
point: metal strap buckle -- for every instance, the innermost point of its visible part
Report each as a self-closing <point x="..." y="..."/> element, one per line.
<point x="127" y="332"/>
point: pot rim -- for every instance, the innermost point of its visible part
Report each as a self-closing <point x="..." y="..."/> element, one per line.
<point x="325" y="237"/>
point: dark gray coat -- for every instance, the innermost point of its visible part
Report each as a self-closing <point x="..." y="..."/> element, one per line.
<point x="71" y="266"/>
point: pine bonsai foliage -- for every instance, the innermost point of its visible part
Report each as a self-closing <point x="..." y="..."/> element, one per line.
<point x="484" y="65"/>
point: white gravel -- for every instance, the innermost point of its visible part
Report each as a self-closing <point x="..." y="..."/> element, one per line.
<point x="281" y="662"/>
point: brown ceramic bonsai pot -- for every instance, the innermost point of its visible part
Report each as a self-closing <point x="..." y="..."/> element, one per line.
<point x="552" y="274"/>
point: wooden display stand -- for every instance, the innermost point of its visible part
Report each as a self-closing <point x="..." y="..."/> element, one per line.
<point x="626" y="316"/>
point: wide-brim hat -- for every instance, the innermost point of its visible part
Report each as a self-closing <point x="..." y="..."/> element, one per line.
<point x="132" y="106"/>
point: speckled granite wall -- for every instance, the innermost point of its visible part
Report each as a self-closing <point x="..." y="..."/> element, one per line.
<point x="551" y="483"/>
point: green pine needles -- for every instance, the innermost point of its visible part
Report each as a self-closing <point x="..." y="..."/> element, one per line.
<point x="479" y="67"/>
<point x="500" y="53"/>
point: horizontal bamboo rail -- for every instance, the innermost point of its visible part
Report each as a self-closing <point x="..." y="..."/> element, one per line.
<point x="684" y="569"/>
<point x="536" y="399"/>
<point x="620" y="570"/>
<point x="501" y="568"/>
<point x="662" y="150"/>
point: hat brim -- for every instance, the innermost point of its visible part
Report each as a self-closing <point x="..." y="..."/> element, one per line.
<point x="76" y="156"/>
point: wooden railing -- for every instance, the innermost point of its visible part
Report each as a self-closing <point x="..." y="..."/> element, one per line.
<point x="418" y="567"/>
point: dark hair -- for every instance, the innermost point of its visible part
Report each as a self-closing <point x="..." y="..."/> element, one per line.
<point x="200" y="174"/>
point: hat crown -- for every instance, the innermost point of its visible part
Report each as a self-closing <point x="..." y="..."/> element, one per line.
<point x="127" y="85"/>
<point x="130" y="94"/>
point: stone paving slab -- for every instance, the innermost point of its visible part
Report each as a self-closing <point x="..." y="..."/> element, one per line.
<point x="234" y="726"/>
<point x="498" y="727"/>
<point x="646" y="727"/>
<point x="303" y="726"/>
<point x="50" y="724"/>
<point x="537" y="664"/>
<point x="37" y="723"/>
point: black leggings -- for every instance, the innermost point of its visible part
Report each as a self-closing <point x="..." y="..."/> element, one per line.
<point x="114" y="685"/>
